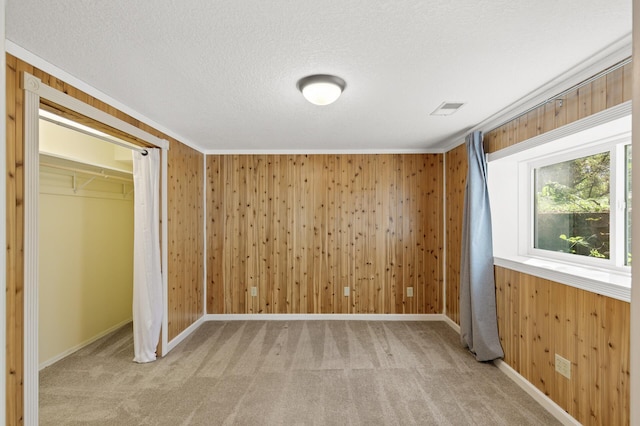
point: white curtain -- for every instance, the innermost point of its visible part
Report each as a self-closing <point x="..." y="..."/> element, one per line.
<point x="147" y="275"/>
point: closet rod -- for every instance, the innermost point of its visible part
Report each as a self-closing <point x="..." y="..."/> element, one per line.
<point x="132" y="147"/>
<point x="88" y="172"/>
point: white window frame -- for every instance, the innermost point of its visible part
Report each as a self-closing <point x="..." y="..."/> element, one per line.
<point x="510" y="210"/>
<point x="615" y="145"/>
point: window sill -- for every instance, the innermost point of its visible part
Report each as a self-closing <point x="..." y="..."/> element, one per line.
<point x="606" y="283"/>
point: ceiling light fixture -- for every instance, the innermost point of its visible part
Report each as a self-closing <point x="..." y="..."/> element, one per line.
<point x="321" y="89"/>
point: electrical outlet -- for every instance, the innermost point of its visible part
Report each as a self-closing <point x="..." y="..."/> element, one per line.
<point x="346" y="291"/>
<point x="409" y="291"/>
<point x="254" y="291"/>
<point x="563" y="366"/>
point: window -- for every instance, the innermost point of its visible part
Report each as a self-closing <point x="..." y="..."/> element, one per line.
<point x="581" y="205"/>
<point x="561" y="204"/>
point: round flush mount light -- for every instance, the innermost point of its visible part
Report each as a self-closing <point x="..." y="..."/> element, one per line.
<point x="321" y="89"/>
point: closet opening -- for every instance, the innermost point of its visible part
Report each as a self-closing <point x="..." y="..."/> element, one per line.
<point x="38" y="96"/>
<point x="85" y="236"/>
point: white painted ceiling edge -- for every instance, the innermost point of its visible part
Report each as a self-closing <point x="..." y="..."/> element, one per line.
<point x="612" y="54"/>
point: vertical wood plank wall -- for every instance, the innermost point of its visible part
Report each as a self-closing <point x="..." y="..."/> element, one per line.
<point x="605" y="92"/>
<point x="186" y="237"/>
<point x="538" y="318"/>
<point x="185" y="229"/>
<point x="299" y="228"/>
<point x="456" y="178"/>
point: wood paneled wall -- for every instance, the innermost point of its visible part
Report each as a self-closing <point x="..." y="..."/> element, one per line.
<point x="185" y="194"/>
<point x="539" y="318"/>
<point x="299" y="228"/>
<point x="605" y="92"/>
<point x="185" y="229"/>
<point x="456" y="179"/>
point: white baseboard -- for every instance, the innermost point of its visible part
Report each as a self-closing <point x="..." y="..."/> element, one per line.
<point x="452" y="324"/>
<point x="185" y="333"/>
<point x="82" y="345"/>
<point x="553" y="408"/>
<point x="324" y="317"/>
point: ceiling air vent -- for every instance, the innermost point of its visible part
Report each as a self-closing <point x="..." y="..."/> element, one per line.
<point x="447" y="108"/>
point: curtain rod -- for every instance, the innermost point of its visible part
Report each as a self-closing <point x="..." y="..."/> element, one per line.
<point x="142" y="151"/>
<point x="564" y="92"/>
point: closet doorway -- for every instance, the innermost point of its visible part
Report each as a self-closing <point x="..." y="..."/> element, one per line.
<point x="85" y="238"/>
<point x="36" y="96"/>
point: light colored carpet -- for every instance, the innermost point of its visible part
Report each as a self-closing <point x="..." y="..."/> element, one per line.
<point x="287" y="373"/>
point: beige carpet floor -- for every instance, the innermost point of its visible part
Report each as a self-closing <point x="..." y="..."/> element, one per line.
<point x="287" y="373"/>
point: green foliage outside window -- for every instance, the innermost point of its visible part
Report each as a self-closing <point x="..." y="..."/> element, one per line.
<point x="573" y="203"/>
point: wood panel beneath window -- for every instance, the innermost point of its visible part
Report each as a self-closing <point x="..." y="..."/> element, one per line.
<point x="300" y="228"/>
<point x="185" y="213"/>
<point x="538" y="318"/>
<point x="605" y="92"/>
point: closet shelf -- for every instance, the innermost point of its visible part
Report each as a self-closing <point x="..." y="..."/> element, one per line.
<point x="65" y="164"/>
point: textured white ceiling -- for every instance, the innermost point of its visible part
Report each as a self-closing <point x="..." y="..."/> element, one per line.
<point x="222" y="74"/>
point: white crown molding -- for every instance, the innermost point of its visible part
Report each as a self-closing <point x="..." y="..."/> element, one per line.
<point x="36" y="61"/>
<point x="605" y="58"/>
<point x="321" y="151"/>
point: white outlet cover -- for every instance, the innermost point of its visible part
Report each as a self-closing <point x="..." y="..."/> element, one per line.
<point x="409" y="291"/>
<point x="346" y="291"/>
<point x="254" y="291"/>
<point x="563" y="366"/>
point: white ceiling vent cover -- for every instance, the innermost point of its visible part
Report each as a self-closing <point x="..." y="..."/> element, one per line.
<point x="447" y="108"/>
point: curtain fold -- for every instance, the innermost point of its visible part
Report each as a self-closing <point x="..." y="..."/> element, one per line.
<point x="478" y="317"/>
<point x="147" y="275"/>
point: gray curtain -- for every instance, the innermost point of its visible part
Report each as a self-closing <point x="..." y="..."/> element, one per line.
<point x="478" y="318"/>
